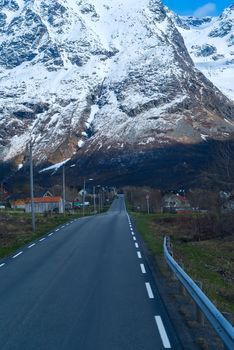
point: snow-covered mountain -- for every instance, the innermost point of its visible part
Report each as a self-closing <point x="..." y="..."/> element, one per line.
<point x="210" y="42"/>
<point x="100" y="77"/>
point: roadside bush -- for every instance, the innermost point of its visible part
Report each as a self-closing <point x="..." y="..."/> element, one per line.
<point x="197" y="227"/>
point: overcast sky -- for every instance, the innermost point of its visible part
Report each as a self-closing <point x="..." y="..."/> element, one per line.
<point x="198" y="8"/>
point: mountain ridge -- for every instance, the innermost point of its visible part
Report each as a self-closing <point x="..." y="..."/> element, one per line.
<point x="98" y="78"/>
<point x="210" y="42"/>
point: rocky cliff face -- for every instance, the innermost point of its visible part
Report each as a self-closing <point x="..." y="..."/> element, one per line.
<point x="91" y="78"/>
<point x="210" y="42"/>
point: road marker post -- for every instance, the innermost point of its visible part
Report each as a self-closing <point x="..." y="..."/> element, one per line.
<point x="199" y="314"/>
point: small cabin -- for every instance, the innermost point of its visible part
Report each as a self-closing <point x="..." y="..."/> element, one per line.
<point x="45" y="205"/>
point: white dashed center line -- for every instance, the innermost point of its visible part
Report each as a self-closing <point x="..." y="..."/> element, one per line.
<point x="41" y="240"/>
<point x="162" y="332"/>
<point x="133" y="233"/>
<point x="149" y="290"/>
<point x="143" y="268"/>
<point x="2" y="265"/>
<point x="139" y="255"/>
<point x="15" y="256"/>
<point x="136" y="245"/>
<point x="134" y="238"/>
<point x="51" y="234"/>
<point x="32" y="245"/>
<point x="57" y="230"/>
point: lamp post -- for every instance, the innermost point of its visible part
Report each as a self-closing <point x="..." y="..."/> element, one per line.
<point x="64" y="191"/>
<point x="83" y="208"/>
<point x="94" y="200"/>
<point x="99" y="198"/>
<point x="84" y="192"/>
<point x="32" y="187"/>
<point x="147" y="200"/>
<point x="99" y="202"/>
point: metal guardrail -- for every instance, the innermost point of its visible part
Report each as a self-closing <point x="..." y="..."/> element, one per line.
<point x="223" y="328"/>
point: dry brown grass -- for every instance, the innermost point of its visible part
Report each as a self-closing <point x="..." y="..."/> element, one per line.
<point x="207" y="256"/>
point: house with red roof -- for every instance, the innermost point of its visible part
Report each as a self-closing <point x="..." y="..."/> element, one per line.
<point x="175" y="203"/>
<point x="45" y="204"/>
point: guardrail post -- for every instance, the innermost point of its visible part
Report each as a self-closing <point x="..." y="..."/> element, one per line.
<point x="199" y="314"/>
<point x="181" y="288"/>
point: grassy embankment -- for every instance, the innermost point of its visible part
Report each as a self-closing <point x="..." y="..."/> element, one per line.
<point x="209" y="261"/>
<point x="16" y="228"/>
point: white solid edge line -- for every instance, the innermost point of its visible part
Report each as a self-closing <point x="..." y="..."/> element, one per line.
<point x="134" y="238"/>
<point x="162" y="332"/>
<point x="143" y="268"/>
<point x="31" y="245"/>
<point x="41" y="240"/>
<point x="139" y="255"/>
<point x="15" y="256"/>
<point x="2" y="265"/>
<point x="149" y="290"/>
<point x="136" y="245"/>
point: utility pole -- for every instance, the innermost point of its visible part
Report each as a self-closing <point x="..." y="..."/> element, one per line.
<point x="84" y="198"/>
<point x="147" y="200"/>
<point x="64" y="191"/>
<point x="94" y="200"/>
<point x="101" y="199"/>
<point x="99" y="202"/>
<point x="31" y="188"/>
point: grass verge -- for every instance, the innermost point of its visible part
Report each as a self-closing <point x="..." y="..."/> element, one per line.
<point x="208" y="261"/>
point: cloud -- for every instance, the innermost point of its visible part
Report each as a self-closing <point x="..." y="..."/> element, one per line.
<point x="208" y="9"/>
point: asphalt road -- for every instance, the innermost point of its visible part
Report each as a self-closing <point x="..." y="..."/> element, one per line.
<point x="85" y="286"/>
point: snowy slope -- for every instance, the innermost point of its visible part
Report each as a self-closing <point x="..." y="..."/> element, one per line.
<point x="83" y="76"/>
<point x="210" y="42"/>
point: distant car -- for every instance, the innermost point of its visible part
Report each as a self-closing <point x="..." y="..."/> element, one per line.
<point x="2" y="206"/>
<point x="80" y="205"/>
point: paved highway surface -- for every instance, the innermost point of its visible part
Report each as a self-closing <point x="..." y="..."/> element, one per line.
<point x="85" y="286"/>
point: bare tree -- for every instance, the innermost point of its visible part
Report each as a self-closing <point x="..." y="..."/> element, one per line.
<point x="222" y="167"/>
